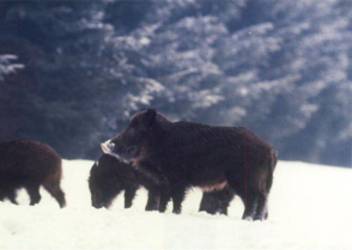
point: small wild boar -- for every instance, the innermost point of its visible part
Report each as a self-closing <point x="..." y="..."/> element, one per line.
<point x="29" y="164"/>
<point x="184" y="154"/>
<point x="110" y="176"/>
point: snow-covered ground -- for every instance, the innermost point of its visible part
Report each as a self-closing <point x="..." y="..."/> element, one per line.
<point x="310" y="208"/>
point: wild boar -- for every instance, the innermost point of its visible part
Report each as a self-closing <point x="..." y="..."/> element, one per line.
<point x="29" y="164"/>
<point x="184" y="154"/>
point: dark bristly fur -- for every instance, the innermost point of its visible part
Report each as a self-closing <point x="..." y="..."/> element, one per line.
<point x="29" y="164"/>
<point x="185" y="154"/>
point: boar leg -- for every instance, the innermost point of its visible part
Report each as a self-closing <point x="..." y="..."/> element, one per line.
<point x="209" y="203"/>
<point x="54" y="189"/>
<point x="246" y="193"/>
<point x="250" y="207"/>
<point x="33" y="192"/>
<point x="255" y="206"/>
<point x="178" y="196"/>
<point x="226" y="196"/>
<point x="153" y="201"/>
<point x="130" y="193"/>
<point x="164" y="199"/>
<point x="262" y="211"/>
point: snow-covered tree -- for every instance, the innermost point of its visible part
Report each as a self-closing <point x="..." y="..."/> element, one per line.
<point x="8" y="66"/>
<point x="280" y="68"/>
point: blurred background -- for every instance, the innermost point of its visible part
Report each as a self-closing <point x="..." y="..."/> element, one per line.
<point x="72" y="72"/>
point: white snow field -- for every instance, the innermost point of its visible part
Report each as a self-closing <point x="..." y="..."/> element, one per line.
<point x="310" y="208"/>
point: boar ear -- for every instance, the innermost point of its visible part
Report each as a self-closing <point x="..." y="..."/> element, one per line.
<point x="149" y="118"/>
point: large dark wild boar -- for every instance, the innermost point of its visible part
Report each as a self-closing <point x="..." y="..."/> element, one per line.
<point x="191" y="154"/>
<point x="29" y="164"/>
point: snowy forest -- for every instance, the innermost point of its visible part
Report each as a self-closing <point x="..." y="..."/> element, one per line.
<point x="73" y="72"/>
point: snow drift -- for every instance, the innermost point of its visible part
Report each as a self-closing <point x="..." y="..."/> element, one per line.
<point x="310" y="207"/>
